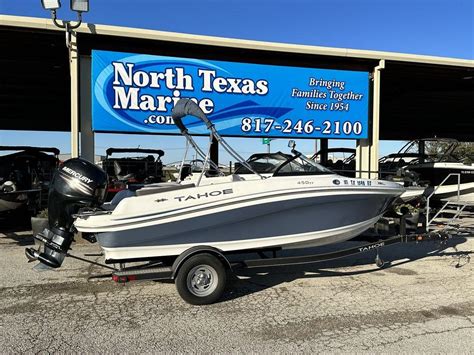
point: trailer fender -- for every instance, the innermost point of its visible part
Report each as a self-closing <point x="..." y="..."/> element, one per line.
<point x="204" y="249"/>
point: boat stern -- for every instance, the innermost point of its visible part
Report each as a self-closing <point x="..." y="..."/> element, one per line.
<point x="77" y="184"/>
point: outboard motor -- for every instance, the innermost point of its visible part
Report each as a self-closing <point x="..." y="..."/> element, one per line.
<point x="76" y="184"/>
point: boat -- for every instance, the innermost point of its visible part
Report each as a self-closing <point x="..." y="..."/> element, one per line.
<point x="297" y="205"/>
<point x="439" y="164"/>
<point x="188" y="167"/>
<point x="262" y="163"/>
<point x="129" y="171"/>
<point x="343" y="162"/>
<point x="340" y="159"/>
<point x="25" y="176"/>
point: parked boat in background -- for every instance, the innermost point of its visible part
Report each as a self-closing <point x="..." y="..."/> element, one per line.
<point x="25" y="176"/>
<point x="439" y="163"/>
<point x="131" y="170"/>
<point x="343" y="162"/>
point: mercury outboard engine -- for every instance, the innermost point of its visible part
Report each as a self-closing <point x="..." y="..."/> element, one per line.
<point x="76" y="184"/>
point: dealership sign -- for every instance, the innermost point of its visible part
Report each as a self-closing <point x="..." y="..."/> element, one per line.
<point x="136" y="93"/>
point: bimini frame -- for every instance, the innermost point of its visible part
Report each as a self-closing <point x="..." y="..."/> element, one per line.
<point x="185" y="107"/>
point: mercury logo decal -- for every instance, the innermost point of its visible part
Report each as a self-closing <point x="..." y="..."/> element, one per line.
<point x="77" y="175"/>
<point x="204" y="195"/>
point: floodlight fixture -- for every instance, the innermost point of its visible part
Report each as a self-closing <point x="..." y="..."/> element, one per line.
<point x="51" y="4"/>
<point x="80" y="5"/>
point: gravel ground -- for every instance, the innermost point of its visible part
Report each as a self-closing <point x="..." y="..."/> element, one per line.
<point x="422" y="302"/>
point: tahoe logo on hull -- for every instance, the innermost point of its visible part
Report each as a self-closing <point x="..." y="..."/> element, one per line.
<point x="204" y="195"/>
<point x="373" y="246"/>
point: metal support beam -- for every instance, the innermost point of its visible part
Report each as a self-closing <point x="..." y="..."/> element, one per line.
<point x="421" y="150"/>
<point x="374" y="143"/>
<point x="367" y="150"/>
<point x="87" y="135"/>
<point x="363" y="158"/>
<point x="214" y="156"/>
<point x="324" y="143"/>
<point x="71" y="37"/>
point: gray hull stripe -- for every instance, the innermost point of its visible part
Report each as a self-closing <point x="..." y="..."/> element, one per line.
<point x="256" y="221"/>
<point x="237" y="200"/>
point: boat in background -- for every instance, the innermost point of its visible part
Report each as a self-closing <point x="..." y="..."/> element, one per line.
<point x="25" y="176"/>
<point x="131" y="171"/>
<point x="343" y="162"/>
<point x="172" y="171"/>
<point x="438" y="163"/>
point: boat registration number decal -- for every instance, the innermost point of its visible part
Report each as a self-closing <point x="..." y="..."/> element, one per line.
<point x="353" y="182"/>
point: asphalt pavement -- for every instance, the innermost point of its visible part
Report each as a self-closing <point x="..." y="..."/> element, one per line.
<point x="422" y="301"/>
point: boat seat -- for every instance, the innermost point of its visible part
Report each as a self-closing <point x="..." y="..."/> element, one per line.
<point x="164" y="187"/>
<point x="110" y="206"/>
<point x="235" y="177"/>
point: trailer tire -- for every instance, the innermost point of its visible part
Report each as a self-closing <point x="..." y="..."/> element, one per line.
<point x="201" y="279"/>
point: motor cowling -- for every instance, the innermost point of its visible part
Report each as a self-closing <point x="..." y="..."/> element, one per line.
<point x="75" y="185"/>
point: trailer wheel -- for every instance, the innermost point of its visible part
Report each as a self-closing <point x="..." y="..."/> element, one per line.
<point x="201" y="279"/>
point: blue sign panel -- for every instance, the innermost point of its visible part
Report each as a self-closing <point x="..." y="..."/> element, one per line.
<point x="136" y="93"/>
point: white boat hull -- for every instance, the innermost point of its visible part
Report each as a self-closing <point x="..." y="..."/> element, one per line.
<point x="450" y="193"/>
<point x="436" y="173"/>
<point x="239" y="215"/>
<point x="412" y="193"/>
<point x="294" y="241"/>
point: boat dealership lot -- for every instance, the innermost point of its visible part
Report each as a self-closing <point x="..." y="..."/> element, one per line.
<point x="423" y="301"/>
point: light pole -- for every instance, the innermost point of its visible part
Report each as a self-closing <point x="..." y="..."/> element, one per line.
<point x="79" y="6"/>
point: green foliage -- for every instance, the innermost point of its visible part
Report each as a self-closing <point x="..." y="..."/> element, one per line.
<point x="436" y="148"/>
<point x="464" y="151"/>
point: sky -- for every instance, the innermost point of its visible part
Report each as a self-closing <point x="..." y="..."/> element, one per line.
<point x="428" y="27"/>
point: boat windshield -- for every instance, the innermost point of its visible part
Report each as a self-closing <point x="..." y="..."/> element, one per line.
<point x="431" y="151"/>
<point x="280" y="164"/>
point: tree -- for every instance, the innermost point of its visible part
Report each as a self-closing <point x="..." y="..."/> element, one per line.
<point x="437" y="149"/>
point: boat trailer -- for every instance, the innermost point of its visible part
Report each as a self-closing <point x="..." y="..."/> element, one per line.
<point x="163" y="273"/>
<point x="200" y="272"/>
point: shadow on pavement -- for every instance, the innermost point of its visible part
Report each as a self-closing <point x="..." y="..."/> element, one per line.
<point x="394" y="256"/>
<point x="20" y="239"/>
<point x="16" y="227"/>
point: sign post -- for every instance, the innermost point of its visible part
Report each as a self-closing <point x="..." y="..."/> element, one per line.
<point x="267" y="142"/>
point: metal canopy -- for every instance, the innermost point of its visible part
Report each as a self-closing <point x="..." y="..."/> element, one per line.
<point x="34" y="77"/>
<point x="426" y="101"/>
<point x="55" y="151"/>
<point x="421" y="96"/>
<point x="111" y="151"/>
